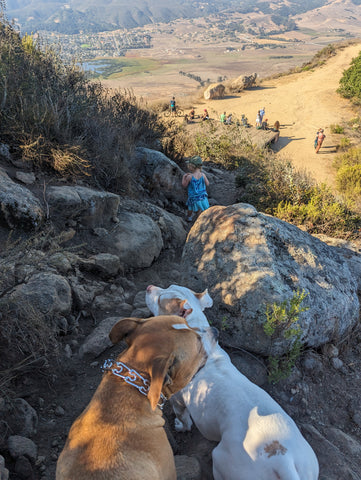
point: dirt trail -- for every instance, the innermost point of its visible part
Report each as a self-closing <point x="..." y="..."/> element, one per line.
<point x="302" y="103"/>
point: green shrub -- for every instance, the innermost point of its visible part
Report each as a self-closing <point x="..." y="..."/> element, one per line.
<point x="344" y="143"/>
<point x="348" y="180"/>
<point x="321" y="214"/>
<point x="351" y="157"/>
<point x="282" y="320"/>
<point x="335" y="128"/>
<point x="350" y="82"/>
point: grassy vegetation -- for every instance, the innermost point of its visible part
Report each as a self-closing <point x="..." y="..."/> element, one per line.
<point x="282" y="320"/>
<point x="110" y="68"/>
<point x="55" y="118"/>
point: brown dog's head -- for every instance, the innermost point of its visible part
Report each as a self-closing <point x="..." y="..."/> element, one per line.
<point x="165" y="347"/>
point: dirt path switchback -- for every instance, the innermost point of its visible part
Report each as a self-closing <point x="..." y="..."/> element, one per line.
<point x="302" y="103"/>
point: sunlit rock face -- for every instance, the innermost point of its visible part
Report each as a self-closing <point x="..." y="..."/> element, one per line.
<point x="249" y="260"/>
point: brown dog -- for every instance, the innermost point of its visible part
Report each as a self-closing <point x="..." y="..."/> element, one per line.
<point x="120" y="435"/>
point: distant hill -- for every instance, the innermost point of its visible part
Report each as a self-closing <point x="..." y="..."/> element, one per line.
<point x="100" y="15"/>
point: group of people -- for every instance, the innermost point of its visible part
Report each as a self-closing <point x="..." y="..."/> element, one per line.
<point x="190" y="117"/>
<point x="226" y="119"/>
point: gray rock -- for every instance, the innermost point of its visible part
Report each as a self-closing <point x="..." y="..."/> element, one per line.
<point x="171" y="226"/>
<point x="61" y="262"/>
<point x="5" y="151"/>
<point x="312" y="362"/>
<point x="139" y="300"/>
<point x="19" y="446"/>
<point x="141" y="313"/>
<point x="340" y="467"/>
<point x="110" y="302"/>
<point x="26" y="418"/>
<point x="59" y="411"/>
<point x="336" y="362"/>
<point x="105" y="264"/>
<point x="4" y="472"/>
<point x="84" y="293"/>
<point x="249" y="260"/>
<point x="25" y="177"/>
<point x="188" y="468"/>
<point x="89" y="207"/>
<point x="329" y="350"/>
<point x="98" y="340"/>
<point x="46" y="293"/>
<point x="23" y="468"/>
<point x="19" y="208"/>
<point x="254" y="369"/>
<point x="158" y="174"/>
<point x="136" y="240"/>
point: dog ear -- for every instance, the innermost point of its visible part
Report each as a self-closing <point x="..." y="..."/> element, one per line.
<point x="158" y="375"/>
<point x="183" y="310"/>
<point x="123" y="328"/>
<point x="204" y="299"/>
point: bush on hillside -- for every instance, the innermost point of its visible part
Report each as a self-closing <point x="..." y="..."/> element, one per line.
<point x="60" y="120"/>
<point x="351" y="157"/>
<point x="321" y="214"/>
<point x="348" y="181"/>
<point x="350" y="83"/>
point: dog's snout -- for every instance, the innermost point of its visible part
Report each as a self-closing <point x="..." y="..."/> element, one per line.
<point x="214" y="333"/>
<point x="149" y="288"/>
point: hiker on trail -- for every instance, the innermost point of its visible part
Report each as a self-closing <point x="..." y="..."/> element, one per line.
<point x="258" y="120"/>
<point x="261" y="113"/>
<point x="244" y="120"/>
<point x="196" y="182"/>
<point x="229" y="119"/>
<point x="172" y="106"/>
<point x="276" y="128"/>
<point x="205" y="115"/>
<point x="192" y="114"/>
<point x="223" y="117"/>
<point x="320" y="138"/>
<point x="265" y="124"/>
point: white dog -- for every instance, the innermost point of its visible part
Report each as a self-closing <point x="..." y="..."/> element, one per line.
<point x="257" y="439"/>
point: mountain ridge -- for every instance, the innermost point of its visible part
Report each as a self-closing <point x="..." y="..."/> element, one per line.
<point x="92" y="16"/>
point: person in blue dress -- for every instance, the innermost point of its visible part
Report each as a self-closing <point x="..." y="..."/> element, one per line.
<point x="197" y="183"/>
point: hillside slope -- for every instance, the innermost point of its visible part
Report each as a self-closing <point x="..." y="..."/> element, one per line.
<point x="302" y="103"/>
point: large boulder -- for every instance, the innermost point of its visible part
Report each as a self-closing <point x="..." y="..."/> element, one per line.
<point x="243" y="82"/>
<point x="249" y="260"/>
<point x="19" y="208"/>
<point x="157" y="174"/>
<point x="46" y="293"/>
<point x="136" y="240"/>
<point x="216" y="90"/>
<point x="171" y="226"/>
<point x="91" y="208"/>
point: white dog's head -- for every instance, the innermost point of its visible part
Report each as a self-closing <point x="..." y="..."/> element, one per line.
<point x="177" y="300"/>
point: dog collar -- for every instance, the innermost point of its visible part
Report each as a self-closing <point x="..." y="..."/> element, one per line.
<point x="132" y="377"/>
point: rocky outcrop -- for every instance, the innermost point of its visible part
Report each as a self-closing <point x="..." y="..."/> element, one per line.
<point x="249" y="260"/>
<point x="243" y="82"/>
<point x="158" y="175"/>
<point x="214" y="91"/>
<point x="88" y="207"/>
<point x="19" y="208"/>
<point x="46" y="293"/>
<point x="136" y="240"/>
